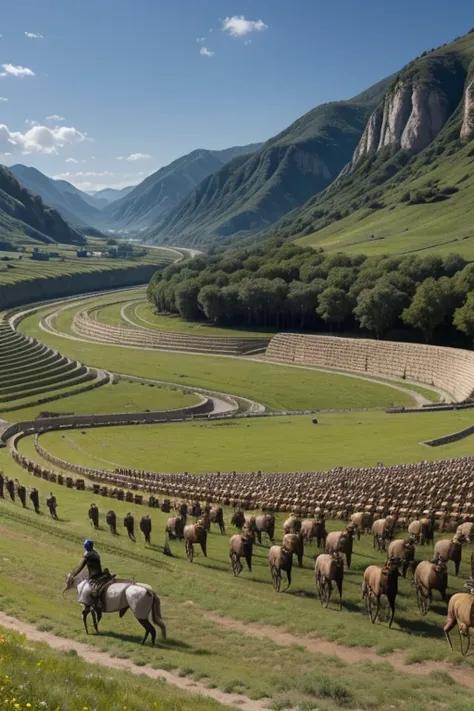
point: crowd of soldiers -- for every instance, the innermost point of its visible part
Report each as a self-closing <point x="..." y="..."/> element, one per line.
<point x="14" y="488"/>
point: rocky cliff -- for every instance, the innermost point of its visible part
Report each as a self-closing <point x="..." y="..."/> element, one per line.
<point x="411" y="117"/>
<point x="419" y="103"/>
<point x="467" y="128"/>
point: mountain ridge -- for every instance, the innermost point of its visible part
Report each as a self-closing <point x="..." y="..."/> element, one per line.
<point x="290" y="167"/>
<point x="152" y="199"/>
<point x="58" y="194"/>
<point x="411" y="173"/>
<point x="24" y="215"/>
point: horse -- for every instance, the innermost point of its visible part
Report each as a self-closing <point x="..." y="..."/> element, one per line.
<point x="118" y="597"/>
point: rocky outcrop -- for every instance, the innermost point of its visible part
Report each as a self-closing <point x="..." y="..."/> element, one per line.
<point x="467" y="128"/>
<point x="371" y="136"/>
<point x="410" y="118"/>
<point x="396" y="112"/>
<point x="430" y="111"/>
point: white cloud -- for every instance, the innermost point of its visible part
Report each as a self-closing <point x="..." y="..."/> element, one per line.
<point x="39" y="139"/>
<point x="201" y="39"/>
<point x="238" y="26"/>
<point x="33" y="35"/>
<point x="3" y="98"/>
<point x="205" y="52"/>
<point x="73" y="160"/>
<point x="13" y="70"/>
<point x="29" y="122"/>
<point x="55" y="117"/>
<point x="135" y="156"/>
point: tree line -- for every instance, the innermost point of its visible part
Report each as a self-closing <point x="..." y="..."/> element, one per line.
<point x="284" y="286"/>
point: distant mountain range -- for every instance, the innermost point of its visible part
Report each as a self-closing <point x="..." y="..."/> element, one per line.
<point x="25" y="216"/>
<point x="152" y="200"/>
<point x="393" y="163"/>
<point x="104" y="197"/>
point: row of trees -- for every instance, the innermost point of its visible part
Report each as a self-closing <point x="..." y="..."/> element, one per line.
<point x="288" y="287"/>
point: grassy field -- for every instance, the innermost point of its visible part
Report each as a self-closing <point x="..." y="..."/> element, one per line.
<point x="27" y="670"/>
<point x="271" y="444"/>
<point x="144" y="314"/>
<point x="68" y="263"/>
<point x="276" y="386"/>
<point x="202" y="602"/>
<point x="125" y="396"/>
<point x="398" y="228"/>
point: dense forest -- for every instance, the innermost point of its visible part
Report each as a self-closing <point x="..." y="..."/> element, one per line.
<point x="286" y="287"/>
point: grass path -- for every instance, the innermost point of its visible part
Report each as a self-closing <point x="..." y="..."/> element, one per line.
<point x="350" y="655"/>
<point x="95" y="657"/>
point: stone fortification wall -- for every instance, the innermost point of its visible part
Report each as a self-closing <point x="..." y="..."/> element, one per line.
<point x="451" y="369"/>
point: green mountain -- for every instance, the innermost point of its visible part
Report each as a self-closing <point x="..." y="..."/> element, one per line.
<point x="410" y="183"/>
<point x="149" y="202"/>
<point x="75" y="206"/>
<point x="25" y="216"/>
<point x="248" y="195"/>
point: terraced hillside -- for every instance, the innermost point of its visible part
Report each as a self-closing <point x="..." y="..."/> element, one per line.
<point x="31" y="373"/>
<point x="88" y="324"/>
<point x="23" y="280"/>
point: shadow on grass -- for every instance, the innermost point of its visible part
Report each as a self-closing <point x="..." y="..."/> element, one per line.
<point x="169" y="643"/>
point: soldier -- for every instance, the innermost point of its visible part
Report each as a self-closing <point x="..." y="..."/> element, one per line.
<point x="183" y="511"/>
<point x="93" y="514"/>
<point x="34" y="497"/>
<point x="129" y="523"/>
<point x="145" y="528"/>
<point x="2" y="483"/>
<point x="21" y="491"/>
<point x="10" y="487"/>
<point x="111" y="519"/>
<point x="51" y="503"/>
<point x="98" y="578"/>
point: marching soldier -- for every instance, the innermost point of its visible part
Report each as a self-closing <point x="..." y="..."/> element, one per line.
<point x="129" y="523"/>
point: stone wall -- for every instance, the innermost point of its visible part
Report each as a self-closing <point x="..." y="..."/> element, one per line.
<point x="450" y="369"/>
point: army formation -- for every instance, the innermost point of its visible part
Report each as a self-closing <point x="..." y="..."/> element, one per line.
<point x="429" y="576"/>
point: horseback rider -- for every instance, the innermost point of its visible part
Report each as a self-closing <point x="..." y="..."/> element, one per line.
<point x="98" y="578"/>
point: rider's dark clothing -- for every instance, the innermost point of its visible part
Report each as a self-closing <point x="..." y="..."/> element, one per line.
<point x="97" y="576"/>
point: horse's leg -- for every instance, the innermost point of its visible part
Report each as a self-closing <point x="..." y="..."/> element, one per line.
<point x="123" y="611"/>
<point x="94" y="619"/>
<point x="149" y="630"/>
<point x="85" y="613"/>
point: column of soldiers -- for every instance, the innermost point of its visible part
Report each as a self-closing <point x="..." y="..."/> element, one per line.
<point x="128" y="522"/>
<point x="14" y="488"/>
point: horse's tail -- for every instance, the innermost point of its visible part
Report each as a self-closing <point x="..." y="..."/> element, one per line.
<point x="156" y="614"/>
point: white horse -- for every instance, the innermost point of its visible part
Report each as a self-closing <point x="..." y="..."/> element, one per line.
<point x="118" y="597"/>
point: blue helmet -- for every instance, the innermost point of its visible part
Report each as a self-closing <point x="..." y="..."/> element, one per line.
<point x="88" y="545"/>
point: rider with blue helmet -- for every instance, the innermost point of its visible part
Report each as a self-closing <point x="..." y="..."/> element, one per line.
<point x="97" y="577"/>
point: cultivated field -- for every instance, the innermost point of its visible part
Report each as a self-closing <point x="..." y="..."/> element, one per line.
<point x="270" y="444"/>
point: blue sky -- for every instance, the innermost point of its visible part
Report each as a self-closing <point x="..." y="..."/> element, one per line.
<point x="132" y="82"/>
